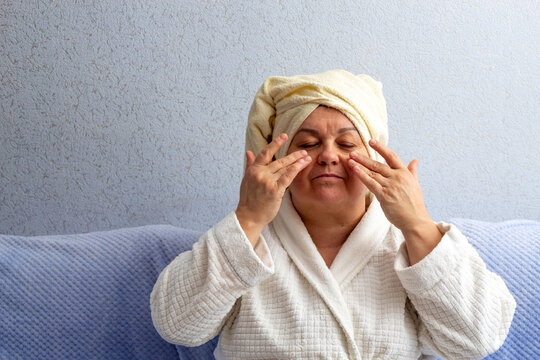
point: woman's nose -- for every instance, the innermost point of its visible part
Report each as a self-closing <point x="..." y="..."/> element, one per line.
<point x="328" y="156"/>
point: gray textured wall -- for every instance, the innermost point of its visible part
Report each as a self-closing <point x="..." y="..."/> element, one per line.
<point x="122" y="113"/>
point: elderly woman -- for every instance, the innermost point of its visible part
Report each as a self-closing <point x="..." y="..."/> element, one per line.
<point x="330" y="253"/>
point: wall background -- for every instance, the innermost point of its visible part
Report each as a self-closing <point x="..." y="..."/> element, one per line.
<point x="123" y="113"/>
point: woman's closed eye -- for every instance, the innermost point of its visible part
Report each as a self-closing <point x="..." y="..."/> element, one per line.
<point x="343" y="145"/>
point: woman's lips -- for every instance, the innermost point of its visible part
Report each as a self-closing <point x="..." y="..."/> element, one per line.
<point x="328" y="177"/>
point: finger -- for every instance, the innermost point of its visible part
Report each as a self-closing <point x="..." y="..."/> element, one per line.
<point x="366" y="177"/>
<point x="250" y="158"/>
<point x="392" y="159"/>
<point x="288" y="174"/>
<point x="266" y="154"/>
<point x="381" y="180"/>
<point x="286" y="161"/>
<point x="371" y="164"/>
<point x="306" y="159"/>
<point x="413" y="168"/>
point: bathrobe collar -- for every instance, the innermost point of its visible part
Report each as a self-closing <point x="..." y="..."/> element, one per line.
<point x="351" y="259"/>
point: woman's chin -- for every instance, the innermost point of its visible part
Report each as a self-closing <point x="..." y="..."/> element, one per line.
<point x="330" y="196"/>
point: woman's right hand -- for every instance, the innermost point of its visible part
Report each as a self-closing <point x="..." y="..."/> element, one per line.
<point x="264" y="185"/>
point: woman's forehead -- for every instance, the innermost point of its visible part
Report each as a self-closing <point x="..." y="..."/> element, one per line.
<point x="326" y="119"/>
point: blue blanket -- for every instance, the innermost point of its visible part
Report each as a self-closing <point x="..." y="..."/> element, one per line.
<point x="86" y="296"/>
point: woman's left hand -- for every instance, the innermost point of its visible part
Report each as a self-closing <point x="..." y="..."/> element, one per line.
<point x="394" y="185"/>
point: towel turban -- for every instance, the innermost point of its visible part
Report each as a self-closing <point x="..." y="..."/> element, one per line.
<point x="283" y="103"/>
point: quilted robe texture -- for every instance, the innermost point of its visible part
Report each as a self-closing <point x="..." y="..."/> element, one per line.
<point x="280" y="300"/>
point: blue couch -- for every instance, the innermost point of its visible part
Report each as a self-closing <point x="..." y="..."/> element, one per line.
<point x="86" y="296"/>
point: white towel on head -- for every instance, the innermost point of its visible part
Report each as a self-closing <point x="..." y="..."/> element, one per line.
<point x="283" y="103"/>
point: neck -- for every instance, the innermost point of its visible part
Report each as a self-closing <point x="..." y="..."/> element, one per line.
<point x="329" y="227"/>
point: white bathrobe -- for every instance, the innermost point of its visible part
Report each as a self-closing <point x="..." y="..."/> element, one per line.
<point x="281" y="301"/>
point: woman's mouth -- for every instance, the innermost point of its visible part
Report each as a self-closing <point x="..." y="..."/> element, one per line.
<point x="328" y="177"/>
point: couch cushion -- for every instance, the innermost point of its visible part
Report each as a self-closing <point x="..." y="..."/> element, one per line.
<point x="511" y="249"/>
<point x="85" y="296"/>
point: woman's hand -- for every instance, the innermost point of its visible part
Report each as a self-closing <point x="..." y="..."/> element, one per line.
<point x="264" y="185"/>
<point x="398" y="191"/>
<point x="395" y="185"/>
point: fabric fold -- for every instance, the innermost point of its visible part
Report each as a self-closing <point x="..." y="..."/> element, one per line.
<point x="437" y="264"/>
<point x="361" y="244"/>
<point x="296" y="241"/>
<point x="248" y="265"/>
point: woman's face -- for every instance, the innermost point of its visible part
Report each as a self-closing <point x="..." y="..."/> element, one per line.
<point x="328" y="136"/>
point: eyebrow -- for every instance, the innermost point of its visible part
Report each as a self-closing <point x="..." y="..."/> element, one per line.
<point x="313" y="131"/>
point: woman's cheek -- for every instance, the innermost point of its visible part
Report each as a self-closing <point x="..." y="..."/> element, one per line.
<point x="302" y="176"/>
<point x="304" y="173"/>
<point x="344" y="158"/>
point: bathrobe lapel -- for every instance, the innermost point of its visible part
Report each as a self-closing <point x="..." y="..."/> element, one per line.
<point x="361" y="244"/>
<point x="352" y="257"/>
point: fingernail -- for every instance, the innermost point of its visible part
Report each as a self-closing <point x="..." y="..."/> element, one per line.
<point x="283" y="136"/>
<point x="372" y="142"/>
<point x="354" y="154"/>
<point x="303" y="152"/>
<point x="308" y="158"/>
